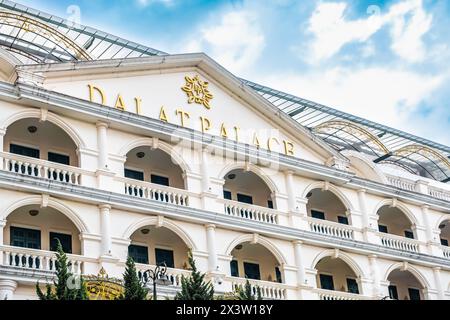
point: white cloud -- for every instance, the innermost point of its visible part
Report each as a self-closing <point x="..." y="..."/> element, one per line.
<point x="331" y="30"/>
<point x="236" y="41"/>
<point x="145" y="3"/>
<point x="379" y="94"/>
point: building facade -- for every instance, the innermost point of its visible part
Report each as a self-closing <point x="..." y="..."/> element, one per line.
<point x="117" y="149"/>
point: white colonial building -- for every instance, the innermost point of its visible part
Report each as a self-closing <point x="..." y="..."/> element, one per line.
<point x="117" y="149"/>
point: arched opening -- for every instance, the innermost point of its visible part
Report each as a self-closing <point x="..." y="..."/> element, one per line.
<point x="32" y="231"/>
<point x="444" y="227"/>
<point x="152" y="245"/>
<point x="153" y="165"/>
<point x="394" y="221"/>
<point x="254" y="261"/>
<point x="29" y="140"/>
<point x="335" y="274"/>
<point x="403" y="285"/>
<point x="325" y="205"/>
<point x="247" y="187"/>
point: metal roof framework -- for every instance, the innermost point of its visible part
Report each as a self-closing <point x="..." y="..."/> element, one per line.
<point x="37" y="37"/>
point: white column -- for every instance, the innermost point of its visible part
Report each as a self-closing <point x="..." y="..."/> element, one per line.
<point x="205" y="171"/>
<point x="2" y="135"/>
<point x="211" y="245"/>
<point x="7" y="288"/>
<point x="375" y="271"/>
<point x="438" y="281"/>
<point x="299" y="263"/>
<point x="290" y="191"/>
<point x="363" y="209"/>
<point x="102" y="143"/>
<point x="2" y="226"/>
<point x="105" y="222"/>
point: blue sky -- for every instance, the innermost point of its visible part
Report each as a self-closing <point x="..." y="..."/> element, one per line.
<point x="387" y="61"/>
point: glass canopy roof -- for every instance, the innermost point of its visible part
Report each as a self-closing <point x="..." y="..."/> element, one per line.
<point x="36" y="37"/>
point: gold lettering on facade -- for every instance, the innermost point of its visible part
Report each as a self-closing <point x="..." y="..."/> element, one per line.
<point x="223" y="131"/>
<point x="183" y="115"/>
<point x="162" y="115"/>
<point x="270" y="141"/>
<point x="256" y="141"/>
<point x="288" y="148"/>
<point x="138" y="102"/>
<point x="206" y="124"/>
<point x="197" y="91"/>
<point x="92" y="90"/>
<point x="236" y="133"/>
<point x="119" y="103"/>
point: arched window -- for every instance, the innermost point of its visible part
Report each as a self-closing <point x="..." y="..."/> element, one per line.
<point x="404" y="285"/>
<point x="335" y="274"/>
<point x="394" y="221"/>
<point x="325" y="205"/>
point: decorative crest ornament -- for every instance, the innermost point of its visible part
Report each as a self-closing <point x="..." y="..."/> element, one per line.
<point x="197" y="91"/>
<point x="101" y="287"/>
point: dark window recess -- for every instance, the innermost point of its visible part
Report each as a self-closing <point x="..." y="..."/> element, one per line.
<point x="278" y="275"/>
<point x="326" y="282"/>
<point x="164" y="181"/>
<point x="318" y="214"/>
<point x="352" y="286"/>
<point x="25" y="238"/>
<point x="244" y="198"/>
<point x="24" y="151"/>
<point x="382" y="228"/>
<point x="444" y="242"/>
<point x="234" y="267"/>
<point x="342" y="220"/>
<point x="164" y="256"/>
<point x="393" y="294"/>
<point x="414" y="294"/>
<point x="227" y="194"/>
<point x="138" y="253"/>
<point x="133" y="174"/>
<point x="409" y="234"/>
<point x="59" y="158"/>
<point x="270" y="204"/>
<point x="252" y="271"/>
<point x="65" y="239"/>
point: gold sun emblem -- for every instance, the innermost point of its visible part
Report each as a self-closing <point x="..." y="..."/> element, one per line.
<point x="197" y="91"/>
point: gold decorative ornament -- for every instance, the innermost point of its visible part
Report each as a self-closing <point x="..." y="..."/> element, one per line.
<point x="197" y="91"/>
<point x="101" y="287"/>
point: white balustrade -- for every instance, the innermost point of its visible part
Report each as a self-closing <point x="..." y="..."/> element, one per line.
<point x="156" y="192"/>
<point x="399" y="243"/>
<point x="446" y="251"/>
<point x="251" y="212"/>
<point x="402" y="183"/>
<point x="330" y="228"/>
<point x="338" y="295"/>
<point x="174" y="275"/>
<point x="32" y="259"/>
<point x="40" y="168"/>
<point x="268" y="290"/>
<point x="439" y="194"/>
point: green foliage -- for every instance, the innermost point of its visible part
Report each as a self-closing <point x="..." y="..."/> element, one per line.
<point x="62" y="285"/>
<point x="194" y="287"/>
<point x="134" y="289"/>
<point x="247" y="293"/>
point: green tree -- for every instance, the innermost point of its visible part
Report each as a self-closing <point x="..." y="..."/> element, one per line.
<point x="134" y="288"/>
<point x="247" y="293"/>
<point x="195" y="287"/>
<point x="62" y="285"/>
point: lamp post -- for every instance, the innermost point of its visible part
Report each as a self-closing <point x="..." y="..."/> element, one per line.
<point x="158" y="276"/>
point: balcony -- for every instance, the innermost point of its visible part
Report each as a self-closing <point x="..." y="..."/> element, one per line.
<point x="174" y="275"/>
<point x="17" y="259"/>
<point x="250" y="212"/>
<point x="399" y="243"/>
<point x="330" y="228"/>
<point x="337" y="295"/>
<point x="269" y="290"/>
<point x="446" y="251"/>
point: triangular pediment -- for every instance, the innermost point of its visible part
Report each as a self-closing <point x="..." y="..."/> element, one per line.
<point x="189" y="90"/>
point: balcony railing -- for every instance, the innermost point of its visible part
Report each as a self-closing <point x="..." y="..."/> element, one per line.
<point x="330" y="228"/>
<point x="338" y="295"/>
<point x="446" y="251"/>
<point x="399" y="243"/>
<point x="402" y="183"/>
<point x="440" y="194"/>
<point x="174" y="275"/>
<point x="41" y="168"/>
<point x="269" y="290"/>
<point x="156" y="192"/>
<point x="251" y="212"/>
<point x="33" y="259"/>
